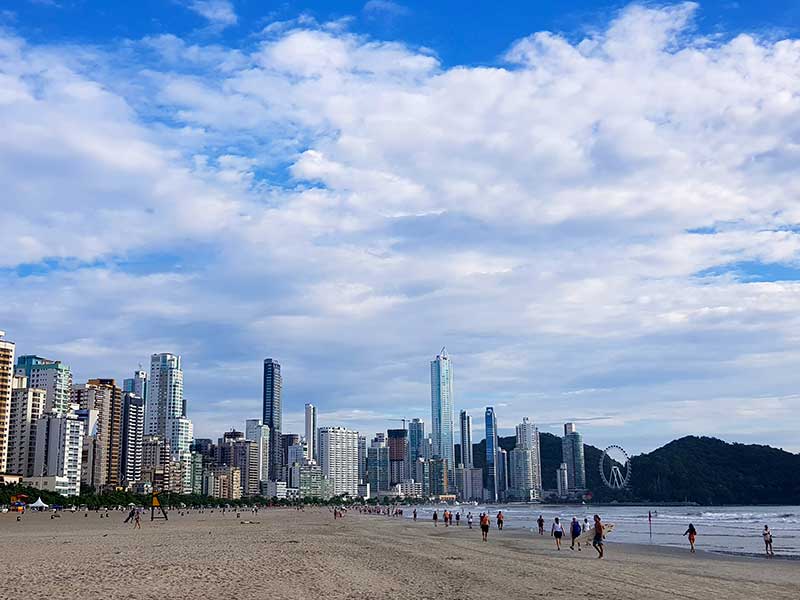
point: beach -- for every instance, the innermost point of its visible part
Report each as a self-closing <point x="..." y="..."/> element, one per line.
<point x="286" y="553"/>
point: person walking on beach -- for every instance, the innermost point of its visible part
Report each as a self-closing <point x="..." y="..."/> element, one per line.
<point x="540" y="523"/>
<point x="415" y="514"/>
<point x="458" y="518"/>
<point x="436" y="518"/>
<point x="597" y="542"/>
<point x="768" y="541"/>
<point x="485" y="526"/>
<point x="575" y="533"/>
<point x="692" y="533"/>
<point x="469" y="519"/>
<point x="557" y="531"/>
<point x="137" y="520"/>
<point x="585" y="526"/>
<point x="500" y="519"/>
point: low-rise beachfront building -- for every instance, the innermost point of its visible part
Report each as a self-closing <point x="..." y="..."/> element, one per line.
<point x="54" y="483"/>
<point x="276" y="489"/>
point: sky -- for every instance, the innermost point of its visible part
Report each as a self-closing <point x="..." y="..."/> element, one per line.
<point x="592" y="205"/>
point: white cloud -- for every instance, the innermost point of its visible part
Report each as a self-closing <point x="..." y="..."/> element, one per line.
<point x="351" y="205"/>
<point x="385" y="8"/>
<point x="219" y="13"/>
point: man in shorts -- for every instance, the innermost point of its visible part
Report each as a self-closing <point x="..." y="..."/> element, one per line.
<point x="597" y="542"/>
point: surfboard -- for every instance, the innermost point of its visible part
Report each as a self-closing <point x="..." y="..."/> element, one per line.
<point x="587" y="536"/>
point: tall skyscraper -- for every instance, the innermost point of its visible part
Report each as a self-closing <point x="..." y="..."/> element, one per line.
<point x="338" y="458"/>
<point x="311" y="431"/>
<point x="525" y="470"/>
<point x="53" y="376"/>
<point x="490" y="472"/>
<point x="256" y="431"/>
<point x="442" y="410"/>
<point x="6" y="376"/>
<point x="398" y="454"/>
<point x="466" y="439"/>
<point x="27" y="406"/>
<point x="273" y="384"/>
<point x="165" y="412"/>
<point x="572" y="455"/>
<point x="502" y="473"/>
<point x="133" y="408"/>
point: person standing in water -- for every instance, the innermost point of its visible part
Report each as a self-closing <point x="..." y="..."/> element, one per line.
<point x="500" y="519"/>
<point x="692" y="533"/>
<point x="540" y="523"/>
<point x="597" y="542"/>
<point x="768" y="541"/>
<point x="557" y="531"/>
<point x="485" y="526"/>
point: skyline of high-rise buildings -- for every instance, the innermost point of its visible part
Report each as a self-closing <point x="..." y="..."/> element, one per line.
<point x="139" y="435"/>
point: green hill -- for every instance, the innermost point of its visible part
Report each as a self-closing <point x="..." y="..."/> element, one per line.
<point x="695" y="469"/>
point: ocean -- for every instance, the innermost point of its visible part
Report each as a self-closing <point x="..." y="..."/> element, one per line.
<point x="727" y="530"/>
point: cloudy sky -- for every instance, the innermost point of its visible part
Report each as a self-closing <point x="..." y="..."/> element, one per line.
<point x="594" y="206"/>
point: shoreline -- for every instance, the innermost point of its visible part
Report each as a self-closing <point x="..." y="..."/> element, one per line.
<point x="284" y="553"/>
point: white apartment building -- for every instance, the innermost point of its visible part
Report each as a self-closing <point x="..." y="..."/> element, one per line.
<point x="59" y="445"/>
<point x="338" y="458"/>
<point x="6" y="374"/>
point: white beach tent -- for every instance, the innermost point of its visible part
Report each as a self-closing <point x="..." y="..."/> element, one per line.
<point x="39" y="504"/>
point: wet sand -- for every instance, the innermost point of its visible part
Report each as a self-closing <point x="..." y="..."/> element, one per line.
<point x="290" y="554"/>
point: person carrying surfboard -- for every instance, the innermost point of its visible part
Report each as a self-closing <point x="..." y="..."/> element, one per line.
<point x="597" y="542"/>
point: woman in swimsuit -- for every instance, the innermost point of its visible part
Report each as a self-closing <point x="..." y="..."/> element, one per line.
<point x="692" y="533"/>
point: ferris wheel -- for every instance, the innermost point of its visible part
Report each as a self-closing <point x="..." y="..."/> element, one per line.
<point x="615" y="467"/>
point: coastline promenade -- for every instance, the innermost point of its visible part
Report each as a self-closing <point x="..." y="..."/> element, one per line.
<point x="291" y="554"/>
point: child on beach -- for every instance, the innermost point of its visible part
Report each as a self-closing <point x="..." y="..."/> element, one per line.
<point x="485" y="526"/>
<point x="597" y="542"/>
<point x="768" y="541"/>
<point x="557" y="531"/>
<point x="692" y="533"/>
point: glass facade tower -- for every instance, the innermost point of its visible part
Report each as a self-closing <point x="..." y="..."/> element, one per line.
<point x="442" y="410"/>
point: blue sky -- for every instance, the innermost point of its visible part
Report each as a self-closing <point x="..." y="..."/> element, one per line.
<point x="592" y="204"/>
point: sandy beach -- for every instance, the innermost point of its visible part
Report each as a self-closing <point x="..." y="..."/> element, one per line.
<point x="290" y="554"/>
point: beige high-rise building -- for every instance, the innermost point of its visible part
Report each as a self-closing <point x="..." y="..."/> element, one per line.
<point x="102" y="452"/>
<point x="6" y="374"/>
<point x="27" y="406"/>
